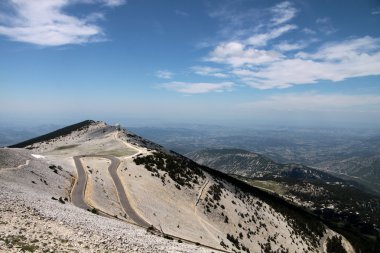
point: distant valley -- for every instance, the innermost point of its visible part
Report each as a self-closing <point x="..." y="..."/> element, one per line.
<point x="350" y="154"/>
<point x="328" y="196"/>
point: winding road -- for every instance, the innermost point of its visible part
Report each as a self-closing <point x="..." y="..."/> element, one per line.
<point x="78" y="191"/>
<point x="123" y="199"/>
<point x="79" y="187"/>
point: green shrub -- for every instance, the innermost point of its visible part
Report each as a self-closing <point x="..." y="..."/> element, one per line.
<point x="334" y="245"/>
<point x="182" y="171"/>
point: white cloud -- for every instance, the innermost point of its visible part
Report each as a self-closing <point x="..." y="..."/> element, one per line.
<point x="286" y="73"/>
<point x="237" y="54"/>
<point x="285" y="46"/>
<point x="334" y="62"/>
<point x="283" y="12"/>
<point x="114" y="3"/>
<point x="198" y="88"/>
<point x="94" y="17"/>
<point x="260" y="61"/>
<point x="245" y="52"/>
<point x="345" y="50"/>
<point x="109" y="3"/>
<point x="322" y="20"/>
<point x="262" y="39"/>
<point x="164" y="74"/>
<point x="209" y="71"/>
<point x="309" y="31"/>
<point x="235" y="22"/>
<point x="325" y="26"/>
<point x="315" y="102"/>
<point x="46" y="22"/>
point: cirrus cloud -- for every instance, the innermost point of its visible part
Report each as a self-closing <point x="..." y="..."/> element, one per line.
<point x="263" y="38"/>
<point x="283" y="12"/>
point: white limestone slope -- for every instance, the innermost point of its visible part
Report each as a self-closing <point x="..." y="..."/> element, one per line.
<point x="205" y="211"/>
<point x="31" y="219"/>
<point x="175" y="212"/>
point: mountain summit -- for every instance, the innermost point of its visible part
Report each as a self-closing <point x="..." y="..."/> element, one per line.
<point x="92" y="187"/>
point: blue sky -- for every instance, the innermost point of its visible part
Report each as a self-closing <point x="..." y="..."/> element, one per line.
<point x="203" y="61"/>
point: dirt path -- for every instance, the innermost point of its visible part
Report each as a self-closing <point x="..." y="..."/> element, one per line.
<point x="138" y="150"/>
<point x="206" y="225"/>
<point x="201" y="192"/>
<point x="24" y="165"/>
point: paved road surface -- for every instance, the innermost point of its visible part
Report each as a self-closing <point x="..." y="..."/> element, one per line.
<point x="123" y="199"/>
<point x="77" y="194"/>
